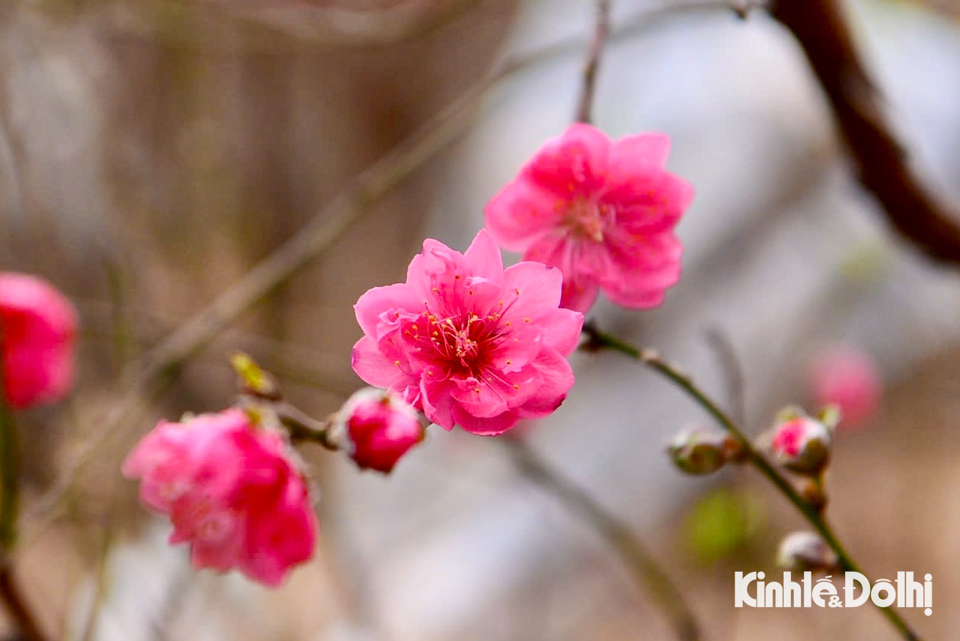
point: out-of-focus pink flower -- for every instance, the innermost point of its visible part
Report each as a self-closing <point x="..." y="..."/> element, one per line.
<point x="802" y="444"/>
<point x="601" y="211"/>
<point x="467" y="342"/>
<point x="231" y="492"/>
<point x="848" y="378"/>
<point x="37" y="330"/>
<point x="381" y="427"/>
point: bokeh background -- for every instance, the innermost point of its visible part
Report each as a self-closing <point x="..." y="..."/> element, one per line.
<point x="153" y="151"/>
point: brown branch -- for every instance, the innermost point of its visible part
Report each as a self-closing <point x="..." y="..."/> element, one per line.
<point x="822" y="31"/>
<point x="12" y="598"/>
<point x="592" y="64"/>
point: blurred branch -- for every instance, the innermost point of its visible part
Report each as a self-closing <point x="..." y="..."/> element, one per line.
<point x="592" y="63"/>
<point x="342" y="26"/>
<point x="732" y="370"/>
<point x="10" y="592"/>
<point x="822" y="31"/>
<point x="641" y="564"/>
<point x="12" y="597"/>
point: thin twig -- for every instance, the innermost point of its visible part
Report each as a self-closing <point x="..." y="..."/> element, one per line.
<point x="821" y="28"/>
<point x="591" y="65"/>
<point x="643" y="566"/>
<point x="732" y="373"/>
<point x="600" y="340"/>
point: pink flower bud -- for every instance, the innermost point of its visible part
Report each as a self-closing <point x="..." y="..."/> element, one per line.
<point x="231" y="490"/>
<point x="381" y="427"/>
<point x="37" y="329"/>
<point x="802" y="445"/>
<point x="848" y="378"/>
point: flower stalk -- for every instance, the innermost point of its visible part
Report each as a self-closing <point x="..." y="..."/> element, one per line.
<point x="596" y="340"/>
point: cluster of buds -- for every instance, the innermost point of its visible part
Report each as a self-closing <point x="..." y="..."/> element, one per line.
<point x="702" y="451"/>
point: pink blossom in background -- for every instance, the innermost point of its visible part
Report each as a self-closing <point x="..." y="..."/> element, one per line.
<point x="467" y="342"/>
<point x="231" y="492"/>
<point x="381" y="428"/>
<point x="601" y="211"/>
<point x="846" y="377"/>
<point x="38" y="326"/>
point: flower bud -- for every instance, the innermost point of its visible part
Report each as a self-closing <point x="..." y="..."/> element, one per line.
<point x="38" y="327"/>
<point x="805" y="551"/>
<point x="380" y="428"/>
<point x="700" y="451"/>
<point x="802" y="445"/>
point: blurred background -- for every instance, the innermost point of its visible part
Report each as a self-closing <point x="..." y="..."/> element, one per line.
<point x="153" y="151"/>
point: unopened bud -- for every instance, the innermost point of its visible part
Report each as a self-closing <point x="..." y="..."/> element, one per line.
<point x="380" y="428"/>
<point x="700" y="451"/>
<point x="805" y="551"/>
<point x="802" y="445"/>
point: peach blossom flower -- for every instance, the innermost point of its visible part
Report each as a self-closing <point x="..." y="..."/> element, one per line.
<point x="601" y="211"/>
<point x="231" y="492"/>
<point x="467" y="342"/>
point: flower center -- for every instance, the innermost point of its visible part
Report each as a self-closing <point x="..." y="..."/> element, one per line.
<point x="585" y="219"/>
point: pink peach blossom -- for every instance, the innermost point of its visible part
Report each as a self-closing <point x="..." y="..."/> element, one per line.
<point x="467" y="342"/>
<point x="848" y="378"/>
<point x="601" y="211"/>
<point x="231" y="492"/>
<point x="38" y="326"/>
<point x="381" y="428"/>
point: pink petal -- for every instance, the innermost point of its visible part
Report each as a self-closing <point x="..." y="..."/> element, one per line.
<point x="561" y="329"/>
<point x="522" y="212"/>
<point x="635" y="154"/>
<point x="379" y="369"/>
<point x="532" y="289"/>
<point x="517" y="349"/>
<point x="649" y="203"/>
<point x="495" y="392"/>
<point x="438" y="404"/>
<point x="379" y="309"/>
<point x="483" y="258"/>
<point x="574" y="163"/>
<point x="556" y="379"/>
<point x="579" y="295"/>
<point x="485" y="426"/>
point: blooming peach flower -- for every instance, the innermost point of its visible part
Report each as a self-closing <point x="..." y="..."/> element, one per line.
<point x="231" y="492"/>
<point x="467" y="342"/>
<point x="381" y="427"/>
<point x="601" y="211"/>
<point x="848" y="378"/>
<point x="37" y="330"/>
